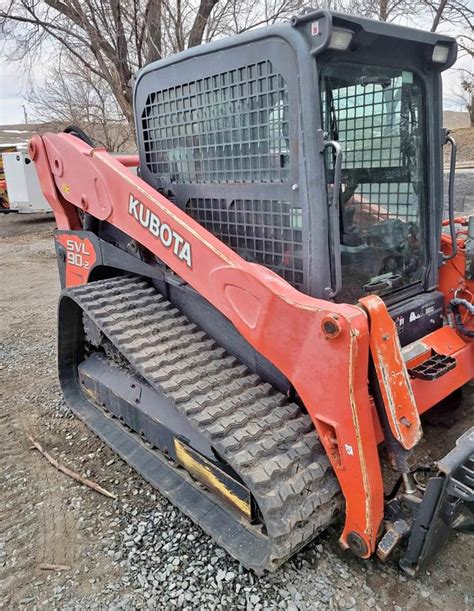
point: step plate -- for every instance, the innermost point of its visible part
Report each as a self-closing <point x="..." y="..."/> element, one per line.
<point x="433" y="368"/>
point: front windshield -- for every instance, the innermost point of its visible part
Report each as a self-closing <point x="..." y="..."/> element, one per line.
<point x="376" y="116"/>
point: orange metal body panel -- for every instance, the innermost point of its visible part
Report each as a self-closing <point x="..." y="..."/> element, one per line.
<point x="80" y="258"/>
<point x="129" y="161"/>
<point x="398" y="398"/>
<point x="445" y="341"/>
<point x="321" y="347"/>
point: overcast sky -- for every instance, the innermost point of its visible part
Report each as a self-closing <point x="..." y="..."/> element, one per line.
<point x="11" y="100"/>
<point x="14" y="85"/>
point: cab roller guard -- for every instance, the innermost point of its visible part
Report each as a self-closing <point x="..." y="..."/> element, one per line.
<point x="241" y="306"/>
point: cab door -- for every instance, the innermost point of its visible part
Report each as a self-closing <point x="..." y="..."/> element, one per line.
<point x="376" y="116"/>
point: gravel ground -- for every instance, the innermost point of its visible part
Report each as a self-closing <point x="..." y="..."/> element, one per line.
<point x="138" y="551"/>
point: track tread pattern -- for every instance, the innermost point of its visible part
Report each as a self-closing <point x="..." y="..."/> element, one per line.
<point x="268" y="440"/>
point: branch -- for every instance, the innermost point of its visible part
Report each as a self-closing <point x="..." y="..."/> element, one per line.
<point x="438" y="15"/>
<point x="154" y="39"/>
<point x="122" y="53"/>
<point x="69" y="472"/>
<point x="200" y="22"/>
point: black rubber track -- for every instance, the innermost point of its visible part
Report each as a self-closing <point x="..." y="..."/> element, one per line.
<point x="268" y="440"/>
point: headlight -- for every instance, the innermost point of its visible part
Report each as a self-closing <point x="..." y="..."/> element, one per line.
<point x="340" y="39"/>
<point x="440" y="54"/>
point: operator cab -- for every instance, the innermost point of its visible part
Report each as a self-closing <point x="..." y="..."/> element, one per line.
<point x="253" y="135"/>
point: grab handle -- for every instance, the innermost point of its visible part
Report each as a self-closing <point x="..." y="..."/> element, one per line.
<point x="452" y="221"/>
<point x="334" y="224"/>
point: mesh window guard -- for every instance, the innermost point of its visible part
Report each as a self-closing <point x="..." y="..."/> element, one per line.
<point x="262" y="231"/>
<point x="228" y="127"/>
<point x="373" y="126"/>
<point x="376" y="115"/>
<point x="369" y="124"/>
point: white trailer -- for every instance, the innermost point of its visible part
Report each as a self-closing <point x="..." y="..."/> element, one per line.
<point x="23" y="187"/>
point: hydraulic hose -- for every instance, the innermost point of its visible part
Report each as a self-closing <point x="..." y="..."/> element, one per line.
<point x="79" y="133"/>
<point x="455" y="304"/>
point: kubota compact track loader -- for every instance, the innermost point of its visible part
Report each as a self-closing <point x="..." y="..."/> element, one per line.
<point x="273" y="296"/>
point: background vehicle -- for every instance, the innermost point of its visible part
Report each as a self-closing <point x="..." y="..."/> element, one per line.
<point x="4" y="204"/>
<point x="21" y="185"/>
<point x="247" y="320"/>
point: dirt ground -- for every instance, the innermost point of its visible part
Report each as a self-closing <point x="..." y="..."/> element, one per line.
<point x="48" y="519"/>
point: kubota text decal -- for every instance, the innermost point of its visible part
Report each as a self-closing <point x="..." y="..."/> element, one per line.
<point x="167" y="236"/>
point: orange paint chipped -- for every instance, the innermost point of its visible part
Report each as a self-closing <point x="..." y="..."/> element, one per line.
<point x="395" y="385"/>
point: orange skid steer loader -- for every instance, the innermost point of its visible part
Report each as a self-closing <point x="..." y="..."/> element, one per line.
<point x="271" y="295"/>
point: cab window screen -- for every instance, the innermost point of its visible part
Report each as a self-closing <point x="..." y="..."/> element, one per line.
<point x="261" y="231"/>
<point x="228" y="127"/>
<point x="376" y="114"/>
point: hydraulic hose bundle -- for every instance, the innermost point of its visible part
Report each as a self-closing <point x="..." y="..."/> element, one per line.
<point x="456" y="304"/>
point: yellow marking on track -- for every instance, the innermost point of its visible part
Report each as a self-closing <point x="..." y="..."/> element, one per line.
<point x="204" y="474"/>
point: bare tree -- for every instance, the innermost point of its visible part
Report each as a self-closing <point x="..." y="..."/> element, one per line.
<point x="464" y="92"/>
<point x="458" y="14"/>
<point x="72" y="94"/>
<point x="112" y="39"/>
<point x="238" y="16"/>
<point x="383" y="10"/>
